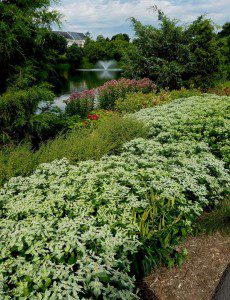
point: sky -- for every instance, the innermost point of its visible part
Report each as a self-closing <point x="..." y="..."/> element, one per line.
<point x="109" y="17"/>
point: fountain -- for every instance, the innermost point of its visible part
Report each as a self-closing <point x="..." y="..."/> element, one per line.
<point x="107" y="64"/>
<point x="87" y="79"/>
<point x="103" y="66"/>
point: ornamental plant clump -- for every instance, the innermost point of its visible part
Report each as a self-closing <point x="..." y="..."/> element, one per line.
<point x="135" y="101"/>
<point x="115" y="89"/>
<point x="70" y="231"/>
<point x="81" y="103"/>
<point x="84" y="231"/>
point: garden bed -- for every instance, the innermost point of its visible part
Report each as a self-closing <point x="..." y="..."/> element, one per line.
<point x="88" y="231"/>
<point x="197" y="279"/>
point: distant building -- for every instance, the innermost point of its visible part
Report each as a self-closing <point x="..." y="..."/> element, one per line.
<point x="73" y="37"/>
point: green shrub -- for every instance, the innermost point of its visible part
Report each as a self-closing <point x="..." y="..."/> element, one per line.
<point x="184" y="93"/>
<point x="216" y="220"/>
<point x="175" y="55"/>
<point x="106" y="137"/>
<point x="222" y="89"/>
<point x="16" y="161"/>
<point x="83" y="144"/>
<point x="134" y="102"/>
<point x="47" y="125"/>
<point x="17" y="108"/>
<point x="74" y="56"/>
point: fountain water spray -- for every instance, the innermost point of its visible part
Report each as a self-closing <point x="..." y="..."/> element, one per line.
<point x="106" y="64"/>
<point x="103" y="66"/>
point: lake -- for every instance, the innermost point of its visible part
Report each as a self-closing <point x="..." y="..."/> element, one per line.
<point x="83" y="80"/>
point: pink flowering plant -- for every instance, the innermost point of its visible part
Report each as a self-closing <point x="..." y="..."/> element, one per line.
<point x="115" y="89"/>
<point x="80" y="103"/>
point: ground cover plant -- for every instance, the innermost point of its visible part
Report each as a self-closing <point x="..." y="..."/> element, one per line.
<point x="197" y="118"/>
<point x="82" y="232"/>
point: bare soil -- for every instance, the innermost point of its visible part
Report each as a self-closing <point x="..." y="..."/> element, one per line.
<point x="199" y="275"/>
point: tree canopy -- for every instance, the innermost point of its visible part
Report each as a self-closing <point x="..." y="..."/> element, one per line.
<point x="174" y="55"/>
<point x="25" y="32"/>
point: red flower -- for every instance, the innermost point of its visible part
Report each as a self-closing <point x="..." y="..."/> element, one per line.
<point x="89" y="117"/>
<point x="94" y="117"/>
<point x="85" y="122"/>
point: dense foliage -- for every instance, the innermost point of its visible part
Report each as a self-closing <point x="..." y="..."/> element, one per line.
<point x="17" y="112"/>
<point x="224" y="40"/>
<point x="137" y="100"/>
<point x="74" y="55"/>
<point x="173" y="55"/>
<point x="111" y="196"/>
<point x="26" y="40"/>
<point x="203" y="118"/>
<point x="82" y="231"/>
<point x="106" y="49"/>
<point x="99" y="137"/>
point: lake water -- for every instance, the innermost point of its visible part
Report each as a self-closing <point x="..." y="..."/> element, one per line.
<point x="83" y="80"/>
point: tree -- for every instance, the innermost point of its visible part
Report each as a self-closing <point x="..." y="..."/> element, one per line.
<point x="205" y="54"/>
<point x="55" y="42"/>
<point x="225" y="32"/>
<point x="97" y="50"/>
<point x="174" y="55"/>
<point x="224" y="41"/>
<point x="24" y="27"/>
<point x="161" y="53"/>
<point x="74" y="55"/>
<point x="121" y="36"/>
<point x="106" y="49"/>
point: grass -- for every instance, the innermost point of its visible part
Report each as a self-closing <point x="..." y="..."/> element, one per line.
<point x="104" y="138"/>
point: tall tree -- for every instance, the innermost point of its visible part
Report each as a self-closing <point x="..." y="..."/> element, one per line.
<point x="161" y="52"/>
<point x="225" y="32"/>
<point x="224" y="40"/>
<point x="24" y="27"/>
<point x="174" y="55"/>
<point x="205" y="54"/>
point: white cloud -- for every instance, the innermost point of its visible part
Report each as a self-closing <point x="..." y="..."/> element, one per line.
<point x="108" y="17"/>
